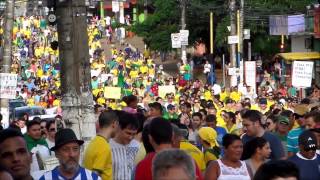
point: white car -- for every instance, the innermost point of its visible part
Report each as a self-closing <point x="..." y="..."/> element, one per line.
<point x="34" y="111"/>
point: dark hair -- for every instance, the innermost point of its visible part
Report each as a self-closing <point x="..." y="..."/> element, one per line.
<point x="315" y="115"/>
<point x="37" y="119"/>
<point x="157" y="106"/>
<point x="251" y="146"/>
<point x="203" y="111"/>
<point x="161" y="131"/>
<point x="129" y="99"/>
<point x="32" y="123"/>
<point x="211" y="118"/>
<point x="228" y="139"/>
<point x="127" y="120"/>
<point x="0" y="117"/>
<point x="273" y="118"/>
<point x="9" y="133"/>
<point x="253" y="116"/>
<point x="197" y="114"/>
<point x="232" y="116"/>
<point x="286" y="113"/>
<point x="106" y="118"/>
<point x="48" y="124"/>
<point x="145" y="139"/>
<point x="277" y="169"/>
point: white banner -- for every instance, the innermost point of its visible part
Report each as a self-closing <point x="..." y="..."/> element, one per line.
<point x="8" y="85"/>
<point x="302" y="74"/>
<point x="175" y="40"/>
<point x="250" y="74"/>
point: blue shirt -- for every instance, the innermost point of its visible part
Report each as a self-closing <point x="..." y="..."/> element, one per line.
<point x="82" y="174"/>
<point x="292" y="140"/>
<point x="221" y="132"/>
<point x="308" y="168"/>
<point x="277" y="151"/>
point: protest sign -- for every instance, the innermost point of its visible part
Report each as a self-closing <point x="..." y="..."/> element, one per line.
<point x="112" y="92"/>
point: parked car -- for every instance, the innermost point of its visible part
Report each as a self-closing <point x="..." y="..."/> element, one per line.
<point x="32" y="111"/>
<point x="14" y="103"/>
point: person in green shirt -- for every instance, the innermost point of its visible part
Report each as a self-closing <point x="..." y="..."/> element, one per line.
<point x="33" y="136"/>
<point x="170" y="113"/>
<point x="282" y="129"/>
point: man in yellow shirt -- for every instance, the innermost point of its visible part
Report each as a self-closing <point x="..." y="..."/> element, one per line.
<point x="98" y="155"/>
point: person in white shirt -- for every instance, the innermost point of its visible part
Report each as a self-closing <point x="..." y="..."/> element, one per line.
<point x="124" y="147"/>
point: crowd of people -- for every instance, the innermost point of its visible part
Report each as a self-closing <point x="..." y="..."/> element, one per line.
<point x="200" y="130"/>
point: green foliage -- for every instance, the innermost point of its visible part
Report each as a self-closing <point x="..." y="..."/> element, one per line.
<point x="157" y="28"/>
<point x="165" y="20"/>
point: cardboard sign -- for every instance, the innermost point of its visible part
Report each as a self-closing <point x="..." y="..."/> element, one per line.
<point x="163" y="90"/>
<point x="8" y="85"/>
<point x="112" y="92"/>
<point x="302" y="74"/>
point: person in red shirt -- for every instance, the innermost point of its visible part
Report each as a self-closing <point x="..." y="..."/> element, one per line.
<point x="160" y="138"/>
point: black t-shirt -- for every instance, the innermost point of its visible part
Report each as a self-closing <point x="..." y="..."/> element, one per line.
<point x="277" y="151"/>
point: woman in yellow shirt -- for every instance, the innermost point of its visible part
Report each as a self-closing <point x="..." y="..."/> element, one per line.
<point x="208" y="139"/>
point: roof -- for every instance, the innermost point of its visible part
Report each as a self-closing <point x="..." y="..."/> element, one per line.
<point x="299" y="56"/>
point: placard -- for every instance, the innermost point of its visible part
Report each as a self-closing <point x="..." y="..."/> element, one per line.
<point x="8" y="85"/>
<point x="250" y="74"/>
<point x="112" y="92"/>
<point x="184" y="35"/>
<point x="163" y="90"/>
<point x="115" y="6"/>
<point x="302" y="74"/>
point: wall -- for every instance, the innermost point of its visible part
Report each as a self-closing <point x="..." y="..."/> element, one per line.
<point x="298" y="44"/>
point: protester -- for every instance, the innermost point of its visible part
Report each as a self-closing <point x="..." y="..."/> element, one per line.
<point x="277" y="170"/>
<point x="211" y="121"/>
<point x="253" y="127"/>
<point x="255" y="153"/>
<point x="98" y="155"/>
<point x="229" y="166"/>
<point x="160" y="138"/>
<point x="208" y="140"/>
<point x="67" y="150"/>
<point x="292" y="145"/>
<point x="51" y="129"/>
<point x="124" y="147"/>
<point x="173" y="164"/>
<point x="14" y="155"/>
<point x="306" y="159"/>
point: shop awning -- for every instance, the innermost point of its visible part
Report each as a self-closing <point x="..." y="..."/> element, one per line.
<point x="299" y="56"/>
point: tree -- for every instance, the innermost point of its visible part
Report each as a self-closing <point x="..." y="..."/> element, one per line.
<point x="157" y="28"/>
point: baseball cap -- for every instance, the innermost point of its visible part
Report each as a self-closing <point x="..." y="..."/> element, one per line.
<point x="263" y="101"/>
<point x="308" y="140"/>
<point x="283" y="120"/>
<point x="301" y="110"/>
<point x="209" y="135"/>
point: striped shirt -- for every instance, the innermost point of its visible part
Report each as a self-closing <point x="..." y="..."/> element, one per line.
<point x="123" y="157"/>
<point x="82" y="174"/>
<point x="292" y="139"/>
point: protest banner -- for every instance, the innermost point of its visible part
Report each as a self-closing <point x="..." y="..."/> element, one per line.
<point x="112" y="92"/>
<point x="302" y="74"/>
<point x="163" y="90"/>
<point x="8" y="85"/>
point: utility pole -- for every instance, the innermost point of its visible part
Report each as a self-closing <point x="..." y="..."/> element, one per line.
<point x="7" y="52"/>
<point x="241" y="27"/>
<point x="183" y="27"/>
<point x="233" y="25"/>
<point x="77" y="100"/>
